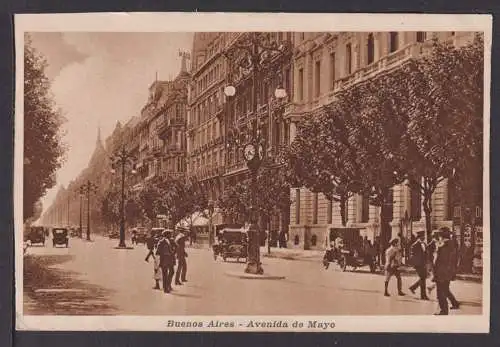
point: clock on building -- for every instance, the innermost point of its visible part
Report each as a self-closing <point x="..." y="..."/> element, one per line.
<point x="249" y="152"/>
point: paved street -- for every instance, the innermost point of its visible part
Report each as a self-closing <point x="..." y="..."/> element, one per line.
<point x="94" y="278"/>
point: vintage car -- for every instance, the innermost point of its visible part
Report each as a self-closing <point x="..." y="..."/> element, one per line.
<point x="139" y="235"/>
<point x="60" y="237"/>
<point x="349" y="249"/>
<point x="115" y="234"/>
<point x="231" y="243"/>
<point x="36" y="235"/>
<point x="74" y="231"/>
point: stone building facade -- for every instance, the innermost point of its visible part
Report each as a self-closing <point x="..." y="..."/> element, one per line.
<point x="323" y="63"/>
<point x="219" y="125"/>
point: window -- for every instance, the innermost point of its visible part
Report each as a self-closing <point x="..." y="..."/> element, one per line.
<point x="301" y="85"/>
<point x="315" y="208"/>
<point x="287" y="81"/>
<point x="332" y="70"/>
<point x="348" y="59"/>
<point x="317" y="78"/>
<point x="370" y="49"/>
<point x="365" y="208"/>
<point x="421" y="36"/>
<point x="297" y="206"/>
<point x="329" y="212"/>
<point x="416" y="203"/>
<point x="314" y="240"/>
<point x="393" y="41"/>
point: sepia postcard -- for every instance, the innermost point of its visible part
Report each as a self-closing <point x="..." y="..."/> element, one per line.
<point x="252" y="172"/>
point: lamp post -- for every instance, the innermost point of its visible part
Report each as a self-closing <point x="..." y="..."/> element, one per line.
<point x="254" y="54"/>
<point x="87" y="189"/>
<point x="121" y="159"/>
<point x="211" y="209"/>
<point x="81" y="210"/>
<point x="67" y="217"/>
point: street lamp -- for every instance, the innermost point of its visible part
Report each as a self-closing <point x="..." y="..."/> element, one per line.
<point x="81" y="195"/>
<point x="86" y="189"/>
<point x="120" y="160"/>
<point x="253" y="55"/>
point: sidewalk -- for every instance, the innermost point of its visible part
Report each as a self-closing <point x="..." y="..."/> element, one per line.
<point x="317" y="256"/>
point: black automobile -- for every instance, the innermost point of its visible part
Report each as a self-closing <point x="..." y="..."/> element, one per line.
<point x="36" y="235"/>
<point x="114" y="235"/>
<point x="60" y="237"/>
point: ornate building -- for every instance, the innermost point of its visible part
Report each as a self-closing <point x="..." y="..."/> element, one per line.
<point x="219" y="125"/>
<point x="324" y="63"/>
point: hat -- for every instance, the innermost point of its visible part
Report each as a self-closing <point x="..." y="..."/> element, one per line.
<point x="180" y="236"/>
<point x="445" y="232"/>
<point x="393" y="240"/>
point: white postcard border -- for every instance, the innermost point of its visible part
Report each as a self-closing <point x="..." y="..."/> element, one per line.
<point x="194" y="22"/>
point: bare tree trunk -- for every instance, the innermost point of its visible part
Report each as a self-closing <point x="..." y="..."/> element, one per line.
<point x="343" y="208"/>
<point x="428" y="211"/>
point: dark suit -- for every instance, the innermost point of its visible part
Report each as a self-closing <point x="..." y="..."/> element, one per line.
<point x="419" y="262"/>
<point x="166" y="251"/>
<point x="444" y="272"/>
<point x="181" y="257"/>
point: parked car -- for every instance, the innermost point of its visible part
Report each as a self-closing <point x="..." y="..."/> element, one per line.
<point x="114" y="235"/>
<point x="60" y="237"/>
<point x="36" y="235"/>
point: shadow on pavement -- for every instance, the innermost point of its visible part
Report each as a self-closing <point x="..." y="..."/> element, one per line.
<point x="52" y="291"/>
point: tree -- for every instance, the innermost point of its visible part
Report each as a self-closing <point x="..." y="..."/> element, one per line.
<point x="322" y="158"/>
<point x="43" y="148"/>
<point x="269" y="195"/>
<point x="445" y="128"/>
<point x="376" y="133"/>
<point x="110" y="207"/>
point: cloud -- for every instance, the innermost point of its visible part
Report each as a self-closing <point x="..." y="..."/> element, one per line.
<point x="109" y="84"/>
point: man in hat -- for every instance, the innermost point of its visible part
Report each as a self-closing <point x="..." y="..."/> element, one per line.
<point x="166" y="251"/>
<point x="180" y="242"/>
<point x="393" y="260"/>
<point x="444" y="271"/>
<point x="419" y="262"/>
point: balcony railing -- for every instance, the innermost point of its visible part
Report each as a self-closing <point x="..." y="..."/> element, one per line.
<point x="386" y="63"/>
<point x="241" y="165"/>
<point x="167" y="123"/>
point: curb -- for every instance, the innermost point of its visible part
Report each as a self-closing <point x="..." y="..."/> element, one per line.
<point x="243" y="275"/>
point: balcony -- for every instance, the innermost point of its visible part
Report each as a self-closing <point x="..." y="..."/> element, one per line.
<point x="172" y="175"/>
<point x="173" y="150"/>
<point x="168" y="123"/>
<point x="236" y="168"/>
<point x="386" y="63"/>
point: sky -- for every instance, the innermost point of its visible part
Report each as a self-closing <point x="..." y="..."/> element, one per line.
<point x="99" y="79"/>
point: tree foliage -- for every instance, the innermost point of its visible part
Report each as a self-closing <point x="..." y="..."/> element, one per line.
<point x="267" y="195"/>
<point x="445" y="127"/>
<point x="43" y="148"/>
<point x="177" y="198"/>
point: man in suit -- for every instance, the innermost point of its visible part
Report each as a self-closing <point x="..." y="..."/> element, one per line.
<point x="419" y="261"/>
<point x="180" y="242"/>
<point x="166" y="251"/>
<point x="444" y="271"/>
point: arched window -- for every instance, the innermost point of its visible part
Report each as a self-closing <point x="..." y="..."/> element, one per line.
<point x="370" y="49"/>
